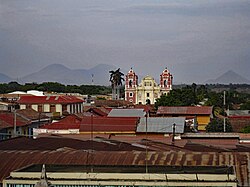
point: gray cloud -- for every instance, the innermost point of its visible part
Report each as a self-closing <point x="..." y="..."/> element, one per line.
<point x="185" y="36"/>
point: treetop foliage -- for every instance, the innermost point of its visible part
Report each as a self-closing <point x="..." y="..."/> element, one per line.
<point x="54" y="87"/>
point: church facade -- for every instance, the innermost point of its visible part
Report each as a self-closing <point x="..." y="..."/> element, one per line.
<point x="148" y="90"/>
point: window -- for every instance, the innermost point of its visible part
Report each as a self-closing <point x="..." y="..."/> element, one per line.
<point x="130" y="83"/>
<point x="147" y="94"/>
<point x="130" y="94"/>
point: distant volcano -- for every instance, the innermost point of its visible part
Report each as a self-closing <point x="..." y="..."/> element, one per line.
<point x="4" y="78"/>
<point x="229" y="77"/>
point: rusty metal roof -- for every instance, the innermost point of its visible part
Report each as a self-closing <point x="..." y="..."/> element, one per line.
<point x="185" y="110"/>
<point x="108" y="124"/>
<point x="54" y="143"/>
<point x="12" y="160"/>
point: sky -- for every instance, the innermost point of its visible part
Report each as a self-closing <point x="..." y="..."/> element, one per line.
<point x="196" y="40"/>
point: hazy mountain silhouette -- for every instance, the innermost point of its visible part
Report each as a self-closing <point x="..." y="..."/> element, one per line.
<point x="60" y="73"/>
<point x="4" y="78"/>
<point x="229" y="77"/>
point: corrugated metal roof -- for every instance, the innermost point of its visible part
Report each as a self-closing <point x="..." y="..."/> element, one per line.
<point x="54" y="143"/>
<point x="127" y="113"/>
<point x="108" y="124"/>
<point x="48" y="100"/>
<point x="12" y="160"/>
<point x="239" y="112"/>
<point x="186" y="110"/>
<point x="161" y="125"/>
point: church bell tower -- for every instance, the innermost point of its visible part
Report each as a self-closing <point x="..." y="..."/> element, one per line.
<point x="166" y="81"/>
<point x="130" y="86"/>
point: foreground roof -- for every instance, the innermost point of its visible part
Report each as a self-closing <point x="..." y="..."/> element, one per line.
<point x="13" y="160"/>
<point x="185" y="110"/>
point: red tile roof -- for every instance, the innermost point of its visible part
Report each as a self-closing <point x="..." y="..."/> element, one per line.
<point x="108" y="124"/>
<point x="31" y="114"/>
<point x="7" y="120"/>
<point x="69" y="122"/>
<point x="48" y="99"/>
<point x="185" y="110"/>
<point x="100" y="111"/>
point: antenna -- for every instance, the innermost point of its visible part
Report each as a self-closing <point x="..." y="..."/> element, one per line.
<point x="146" y="166"/>
<point x="92" y="79"/>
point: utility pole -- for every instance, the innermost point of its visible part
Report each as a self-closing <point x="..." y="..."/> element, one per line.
<point x="173" y="133"/>
<point x="14" y="122"/>
<point x="146" y="169"/>
<point x="224" y="107"/>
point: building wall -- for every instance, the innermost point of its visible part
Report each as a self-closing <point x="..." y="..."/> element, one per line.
<point x="69" y="179"/>
<point x="203" y="122"/>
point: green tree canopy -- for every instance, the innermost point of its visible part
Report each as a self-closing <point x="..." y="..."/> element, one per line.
<point x="217" y="125"/>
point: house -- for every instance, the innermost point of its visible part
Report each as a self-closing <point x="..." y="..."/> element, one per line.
<point x="54" y="105"/>
<point x="7" y="106"/>
<point x="160" y="125"/>
<point x="116" y="176"/>
<point x="20" y="123"/>
<point x="68" y="125"/>
<point x="108" y="125"/>
<point x="203" y="114"/>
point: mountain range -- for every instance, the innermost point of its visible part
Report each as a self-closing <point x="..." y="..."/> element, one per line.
<point x="229" y="77"/>
<point x="60" y="73"/>
<point x="4" y="78"/>
<point x="99" y="75"/>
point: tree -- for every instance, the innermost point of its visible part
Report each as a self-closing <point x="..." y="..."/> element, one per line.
<point x="116" y="81"/>
<point x="245" y="106"/>
<point x="246" y="129"/>
<point x="217" y="125"/>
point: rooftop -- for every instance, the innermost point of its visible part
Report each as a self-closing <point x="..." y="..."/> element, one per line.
<point x="49" y="99"/>
<point x="131" y="112"/>
<point x="131" y="169"/>
<point x="185" y="110"/>
<point x="161" y="125"/>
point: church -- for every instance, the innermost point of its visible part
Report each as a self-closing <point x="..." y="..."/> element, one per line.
<point x="148" y="90"/>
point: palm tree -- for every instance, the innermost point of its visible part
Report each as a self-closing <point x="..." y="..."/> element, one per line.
<point x="116" y="81"/>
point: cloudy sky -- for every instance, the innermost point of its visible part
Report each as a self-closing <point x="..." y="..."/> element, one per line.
<point x="196" y="39"/>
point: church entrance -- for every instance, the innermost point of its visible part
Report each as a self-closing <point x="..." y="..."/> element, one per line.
<point x="148" y="102"/>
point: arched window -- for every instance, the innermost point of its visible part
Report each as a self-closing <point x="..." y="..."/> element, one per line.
<point x="130" y="83"/>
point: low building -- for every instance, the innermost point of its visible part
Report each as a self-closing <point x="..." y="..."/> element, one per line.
<point x="20" y="123"/>
<point x="203" y="114"/>
<point x="54" y="105"/>
<point x="108" y="125"/>
<point x="116" y="176"/>
<point x="68" y="125"/>
<point x="161" y="125"/>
